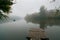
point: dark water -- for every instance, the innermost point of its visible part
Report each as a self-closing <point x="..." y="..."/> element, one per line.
<point x="19" y="30"/>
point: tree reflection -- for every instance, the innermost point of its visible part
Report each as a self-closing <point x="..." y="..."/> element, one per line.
<point x="42" y="24"/>
<point x="38" y="33"/>
<point x="44" y="18"/>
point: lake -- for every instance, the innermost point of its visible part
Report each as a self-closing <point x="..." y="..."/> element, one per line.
<point x="18" y="30"/>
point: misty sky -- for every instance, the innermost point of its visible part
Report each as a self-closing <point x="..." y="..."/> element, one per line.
<point x="23" y="7"/>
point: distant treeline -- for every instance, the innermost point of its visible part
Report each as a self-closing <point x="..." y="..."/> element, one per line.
<point x="43" y="14"/>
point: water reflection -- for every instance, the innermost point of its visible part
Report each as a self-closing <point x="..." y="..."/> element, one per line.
<point x="19" y="29"/>
<point x="41" y="31"/>
<point x="46" y="22"/>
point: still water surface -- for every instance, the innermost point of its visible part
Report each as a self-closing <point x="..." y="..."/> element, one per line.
<point x="18" y="30"/>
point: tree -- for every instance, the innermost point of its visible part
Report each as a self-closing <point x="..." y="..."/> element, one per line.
<point x="5" y="6"/>
<point x="42" y="11"/>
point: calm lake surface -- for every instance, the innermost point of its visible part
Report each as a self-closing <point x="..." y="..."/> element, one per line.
<point x="18" y="30"/>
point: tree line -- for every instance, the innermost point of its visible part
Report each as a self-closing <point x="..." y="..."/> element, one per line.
<point x="43" y="14"/>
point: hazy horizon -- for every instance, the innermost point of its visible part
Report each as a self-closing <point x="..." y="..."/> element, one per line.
<point x="23" y="7"/>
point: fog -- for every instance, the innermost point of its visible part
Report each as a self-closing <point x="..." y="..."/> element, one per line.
<point x="23" y="7"/>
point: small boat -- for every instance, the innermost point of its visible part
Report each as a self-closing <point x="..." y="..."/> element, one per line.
<point x="14" y="20"/>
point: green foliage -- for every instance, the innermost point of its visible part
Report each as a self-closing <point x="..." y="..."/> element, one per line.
<point x="5" y="6"/>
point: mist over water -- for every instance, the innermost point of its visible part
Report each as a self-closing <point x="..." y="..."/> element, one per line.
<point x="14" y="30"/>
<point x="17" y="28"/>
